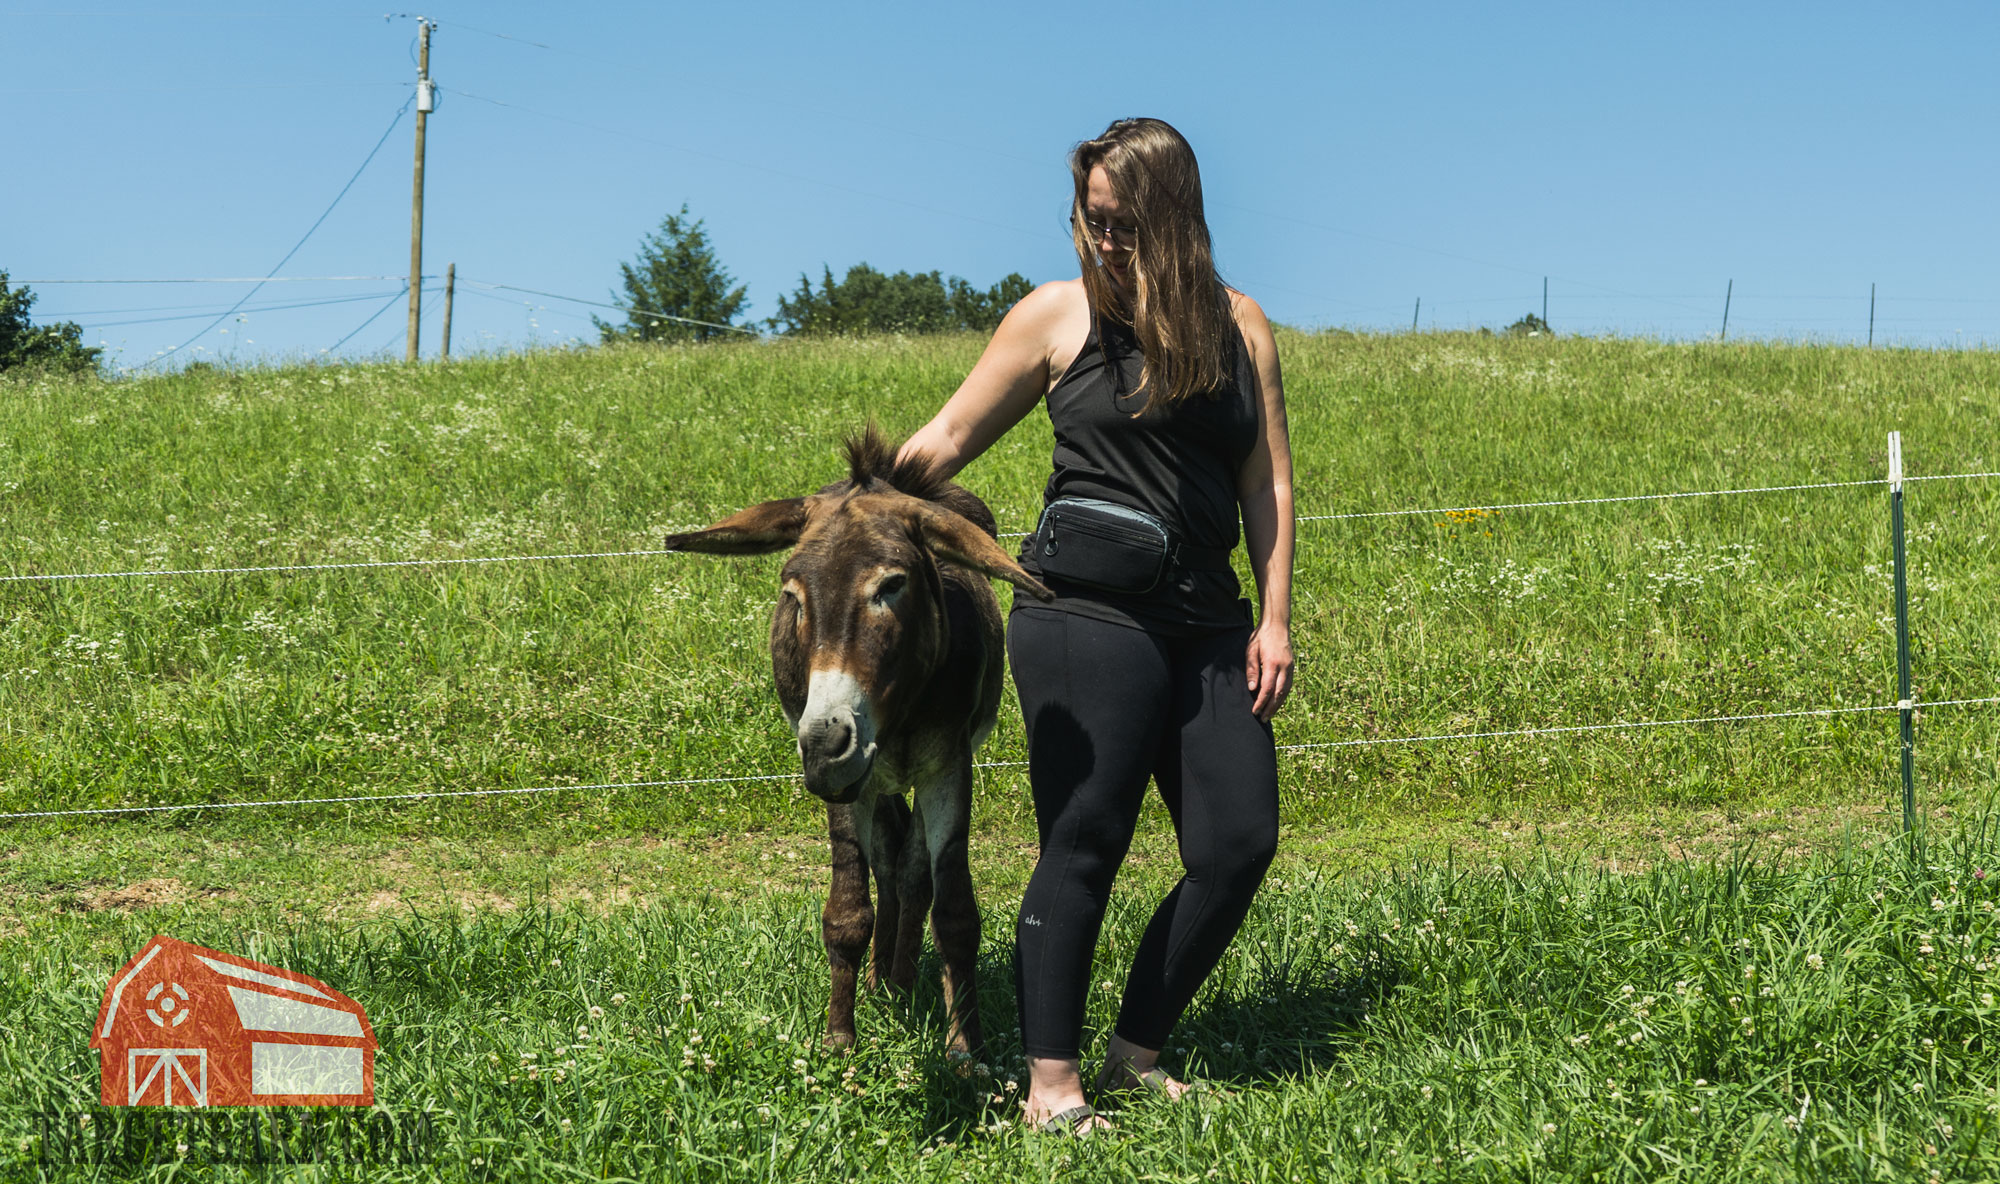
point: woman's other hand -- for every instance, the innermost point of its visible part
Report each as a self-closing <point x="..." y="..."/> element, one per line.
<point x="1269" y="667"/>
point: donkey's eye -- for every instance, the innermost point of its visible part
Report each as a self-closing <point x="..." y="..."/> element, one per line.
<point x="890" y="588"/>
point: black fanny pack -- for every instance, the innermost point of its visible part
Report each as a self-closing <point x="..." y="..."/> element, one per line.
<point x="1111" y="547"/>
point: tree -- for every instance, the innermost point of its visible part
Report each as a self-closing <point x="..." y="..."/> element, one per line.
<point x="55" y="347"/>
<point x="676" y="276"/>
<point x="1530" y="326"/>
<point x="868" y="301"/>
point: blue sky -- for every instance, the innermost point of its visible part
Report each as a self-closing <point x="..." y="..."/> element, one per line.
<point x="1357" y="158"/>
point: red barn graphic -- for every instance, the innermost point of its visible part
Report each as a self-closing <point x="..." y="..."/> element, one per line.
<point x="185" y="1026"/>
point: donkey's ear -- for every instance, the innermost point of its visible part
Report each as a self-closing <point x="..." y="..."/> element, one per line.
<point x="758" y="530"/>
<point x="950" y="536"/>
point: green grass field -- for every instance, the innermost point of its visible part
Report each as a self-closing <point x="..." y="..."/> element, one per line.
<point x="1448" y="920"/>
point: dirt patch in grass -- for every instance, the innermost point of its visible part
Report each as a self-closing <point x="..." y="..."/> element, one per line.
<point x="500" y="872"/>
<point x="130" y="898"/>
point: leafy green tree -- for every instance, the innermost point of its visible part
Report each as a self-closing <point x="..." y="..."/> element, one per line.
<point x="868" y="301"/>
<point x="22" y="343"/>
<point x="678" y="279"/>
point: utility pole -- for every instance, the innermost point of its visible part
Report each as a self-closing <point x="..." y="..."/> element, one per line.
<point x="426" y="103"/>
<point x="1731" y="291"/>
<point x="450" y="278"/>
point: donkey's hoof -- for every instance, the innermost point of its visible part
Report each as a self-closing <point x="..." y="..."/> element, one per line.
<point x="838" y="1042"/>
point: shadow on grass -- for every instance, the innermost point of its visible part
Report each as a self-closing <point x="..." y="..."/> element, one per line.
<point x="1292" y="1020"/>
<point x="1287" y="1021"/>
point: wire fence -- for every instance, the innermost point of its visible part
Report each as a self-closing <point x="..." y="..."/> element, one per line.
<point x="359" y="565"/>
<point x="1907" y="706"/>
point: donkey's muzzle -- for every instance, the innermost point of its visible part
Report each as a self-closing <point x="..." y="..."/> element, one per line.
<point x="835" y="756"/>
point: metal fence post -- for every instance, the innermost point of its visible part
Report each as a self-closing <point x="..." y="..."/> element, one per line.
<point x="1905" y="707"/>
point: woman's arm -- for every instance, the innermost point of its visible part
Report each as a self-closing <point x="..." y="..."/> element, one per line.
<point x="1264" y="488"/>
<point x="1009" y="379"/>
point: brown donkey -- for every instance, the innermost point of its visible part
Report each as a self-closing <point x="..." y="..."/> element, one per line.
<point x="888" y="653"/>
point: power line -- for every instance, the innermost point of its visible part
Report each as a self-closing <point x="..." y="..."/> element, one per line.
<point x="302" y="238"/>
<point x="188" y="308"/>
<point x="99" y="90"/>
<point x="761" y="168"/>
<point x="269" y="279"/>
<point x="371" y="318"/>
<point x="659" y="316"/>
<point x="195" y="316"/>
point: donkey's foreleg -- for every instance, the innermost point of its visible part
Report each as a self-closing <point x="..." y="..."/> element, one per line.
<point x="946" y="810"/>
<point x="913" y="887"/>
<point x="892" y="829"/>
<point x="845" y="923"/>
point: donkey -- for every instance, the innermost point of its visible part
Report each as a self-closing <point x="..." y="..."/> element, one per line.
<point x="888" y="654"/>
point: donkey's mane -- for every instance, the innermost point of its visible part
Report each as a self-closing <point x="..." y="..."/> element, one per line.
<point x="872" y="464"/>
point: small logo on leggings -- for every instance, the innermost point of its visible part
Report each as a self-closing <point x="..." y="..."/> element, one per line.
<point x="1031" y="919"/>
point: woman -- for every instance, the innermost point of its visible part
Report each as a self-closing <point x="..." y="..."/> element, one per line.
<point x="1164" y="390"/>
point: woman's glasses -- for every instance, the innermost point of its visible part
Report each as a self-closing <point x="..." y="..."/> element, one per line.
<point x="1122" y="237"/>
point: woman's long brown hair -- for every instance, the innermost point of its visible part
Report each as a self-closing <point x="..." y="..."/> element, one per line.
<point x="1176" y="305"/>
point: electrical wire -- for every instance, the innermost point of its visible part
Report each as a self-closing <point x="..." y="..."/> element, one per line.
<point x="659" y="316"/>
<point x="400" y="112"/>
<point x="371" y="318"/>
<point x="761" y="168"/>
<point x="269" y="279"/>
<point x="256" y="308"/>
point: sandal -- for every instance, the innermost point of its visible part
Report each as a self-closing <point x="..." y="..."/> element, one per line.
<point x="1156" y="1082"/>
<point x="1073" y="1121"/>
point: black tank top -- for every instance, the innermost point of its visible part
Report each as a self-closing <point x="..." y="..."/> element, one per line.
<point x="1179" y="466"/>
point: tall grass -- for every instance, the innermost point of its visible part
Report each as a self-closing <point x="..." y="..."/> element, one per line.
<point x="1540" y="1014"/>
<point x="1548" y="1020"/>
<point x="214" y="688"/>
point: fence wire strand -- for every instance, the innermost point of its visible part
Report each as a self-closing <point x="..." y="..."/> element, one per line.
<point x="605" y="785"/>
<point x="140" y="573"/>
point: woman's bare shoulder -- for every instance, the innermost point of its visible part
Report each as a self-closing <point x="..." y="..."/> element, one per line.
<point x="1060" y="313"/>
<point x="1055" y="300"/>
<point x="1248" y="313"/>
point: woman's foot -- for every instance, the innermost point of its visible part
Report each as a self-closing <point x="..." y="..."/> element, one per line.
<point x="1055" y="1099"/>
<point x="1129" y="1068"/>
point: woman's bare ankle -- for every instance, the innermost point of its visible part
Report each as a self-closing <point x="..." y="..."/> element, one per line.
<point x="1054" y="1086"/>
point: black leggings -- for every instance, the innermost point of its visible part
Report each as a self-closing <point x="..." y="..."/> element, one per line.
<point x="1106" y="706"/>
